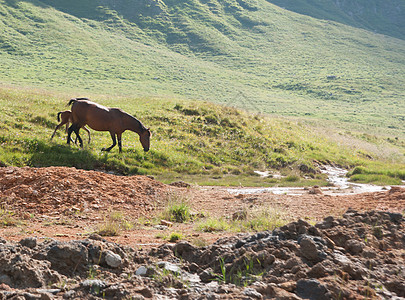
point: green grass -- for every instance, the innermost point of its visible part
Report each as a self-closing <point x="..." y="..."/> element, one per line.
<point x="367" y="14"/>
<point x="252" y="220"/>
<point x="200" y="142"/>
<point x="248" y="54"/>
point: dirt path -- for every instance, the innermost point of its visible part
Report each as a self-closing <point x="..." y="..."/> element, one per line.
<point x="67" y="203"/>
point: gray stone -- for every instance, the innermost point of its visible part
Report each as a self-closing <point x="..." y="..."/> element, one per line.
<point x="112" y="259"/>
<point x="30" y="242"/>
<point x="252" y="293"/>
<point x="354" y="246"/>
<point x="142" y="271"/>
<point x="309" y="249"/>
<point x="169" y="267"/>
<point x="311" y="289"/>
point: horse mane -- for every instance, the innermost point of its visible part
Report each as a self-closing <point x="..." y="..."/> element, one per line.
<point x="73" y="100"/>
<point x="140" y="123"/>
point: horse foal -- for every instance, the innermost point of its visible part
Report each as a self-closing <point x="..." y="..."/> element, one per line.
<point x="65" y="117"/>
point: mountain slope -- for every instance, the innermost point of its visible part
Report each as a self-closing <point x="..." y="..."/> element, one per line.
<point x="245" y="53"/>
<point x="382" y="16"/>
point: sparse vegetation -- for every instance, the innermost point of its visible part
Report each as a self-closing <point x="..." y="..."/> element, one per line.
<point x="252" y="220"/>
<point x="8" y="218"/>
<point x="174" y="237"/>
<point x="177" y="210"/>
<point x="113" y="225"/>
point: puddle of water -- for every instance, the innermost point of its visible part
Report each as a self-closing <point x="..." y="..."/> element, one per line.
<point x="336" y="176"/>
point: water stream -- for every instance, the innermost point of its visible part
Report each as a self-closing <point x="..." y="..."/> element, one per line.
<point x="336" y="176"/>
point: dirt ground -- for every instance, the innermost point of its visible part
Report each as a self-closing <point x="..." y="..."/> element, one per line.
<point x="67" y="203"/>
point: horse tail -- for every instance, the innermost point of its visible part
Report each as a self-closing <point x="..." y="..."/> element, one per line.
<point x="59" y="116"/>
<point x="73" y="100"/>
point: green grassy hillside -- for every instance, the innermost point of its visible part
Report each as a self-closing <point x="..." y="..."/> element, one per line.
<point x="243" y="53"/>
<point x="380" y="16"/>
<point x="192" y="141"/>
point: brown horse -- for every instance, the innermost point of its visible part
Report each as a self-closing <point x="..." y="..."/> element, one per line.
<point x="65" y="117"/>
<point x="101" y="118"/>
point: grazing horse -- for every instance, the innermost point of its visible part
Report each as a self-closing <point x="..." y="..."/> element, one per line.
<point x="65" y="117"/>
<point x="101" y="118"/>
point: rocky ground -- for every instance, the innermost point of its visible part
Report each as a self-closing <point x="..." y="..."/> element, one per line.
<point x="337" y="247"/>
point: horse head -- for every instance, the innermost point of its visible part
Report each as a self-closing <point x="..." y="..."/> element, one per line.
<point x="144" y="137"/>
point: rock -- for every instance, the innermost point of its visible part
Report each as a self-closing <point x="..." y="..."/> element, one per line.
<point x="275" y="292"/>
<point x="308" y="249"/>
<point x="311" y="289"/>
<point x="94" y="285"/>
<point x="169" y="267"/>
<point x="354" y="246"/>
<point x="68" y="257"/>
<point x="207" y="275"/>
<point x="252" y="293"/>
<point x="315" y="190"/>
<point x="30" y="242"/>
<point x="112" y="259"/>
<point x="6" y="280"/>
<point x="142" y="271"/>
<point x="166" y="223"/>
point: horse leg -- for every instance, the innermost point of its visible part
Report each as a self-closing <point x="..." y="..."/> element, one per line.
<point x="57" y="127"/>
<point x="88" y="132"/>
<point x="119" y="141"/>
<point x="114" y="142"/>
<point x="70" y="130"/>
<point x="76" y="129"/>
<point x="78" y="136"/>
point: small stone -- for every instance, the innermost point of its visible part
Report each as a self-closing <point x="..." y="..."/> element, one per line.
<point x="30" y="242"/>
<point x="207" y="275"/>
<point x="112" y="259"/>
<point x="166" y="223"/>
<point x="252" y="293"/>
<point x="142" y="271"/>
<point x="354" y="247"/>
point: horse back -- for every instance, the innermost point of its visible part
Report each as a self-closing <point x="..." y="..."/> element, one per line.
<point x="96" y="116"/>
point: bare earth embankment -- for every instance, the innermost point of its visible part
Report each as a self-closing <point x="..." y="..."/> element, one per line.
<point x="338" y="247"/>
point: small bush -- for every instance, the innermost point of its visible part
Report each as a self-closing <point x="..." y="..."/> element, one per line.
<point x="174" y="237"/>
<point x="113" y="225"/>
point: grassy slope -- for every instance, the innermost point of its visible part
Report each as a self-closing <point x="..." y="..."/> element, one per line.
<point x="380" y="16"/>
<point x="249" y="54"/>
<point x="193" y="141"/>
